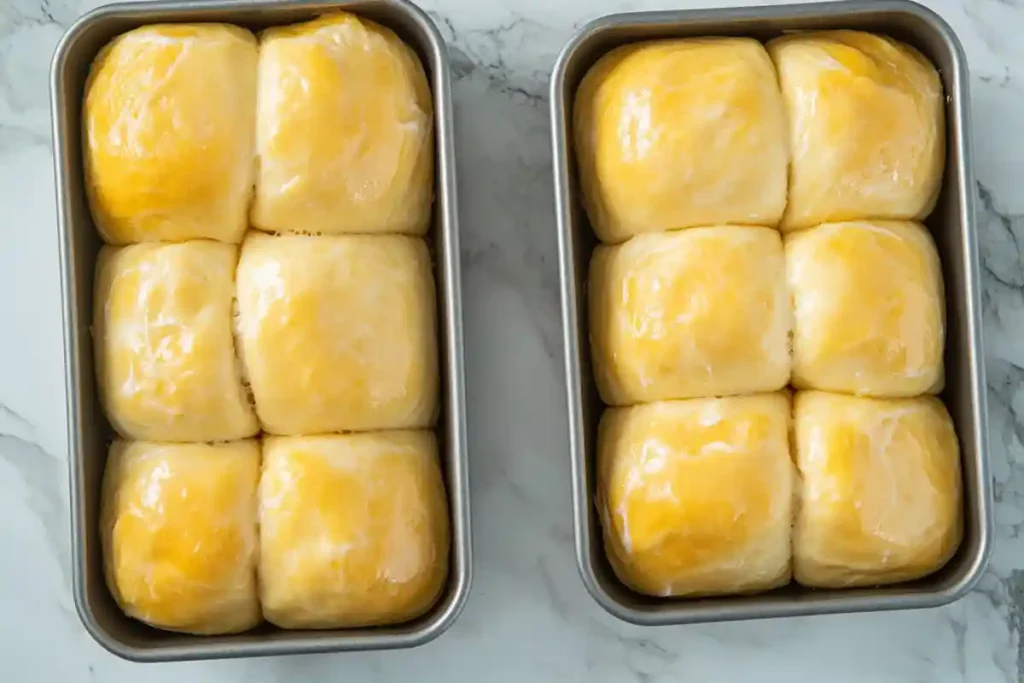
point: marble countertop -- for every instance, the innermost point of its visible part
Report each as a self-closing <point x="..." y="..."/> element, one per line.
<point x="529" y="617"/>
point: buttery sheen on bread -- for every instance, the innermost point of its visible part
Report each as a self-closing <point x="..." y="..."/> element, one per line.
<point x="354" y="529"/>
<point x="690" y="313"/>
<point x="338" y="332"/>
<point x="165" y="355"/>
<point x="344" y="131"/>
<point x="179" y="536"/>
<point x="678" y="133"/>
<point x="866" y="127"/>
<point x="696" y="497"/>
<point x="169" y="125"/>
<point x="869" y="312"/>
<point x="881" y="489"/>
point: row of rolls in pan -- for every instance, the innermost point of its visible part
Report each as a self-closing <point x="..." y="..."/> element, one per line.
<point x="812" y="128"/>
<point x="307" y="532"/>
<point x="200" y="131"/>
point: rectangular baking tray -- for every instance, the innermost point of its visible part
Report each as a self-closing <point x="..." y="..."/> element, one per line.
<point x="89" y="432"/>
<point x="952" y="224"/>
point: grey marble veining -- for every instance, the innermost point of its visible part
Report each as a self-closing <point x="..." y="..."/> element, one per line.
<point x="529" y="618"/>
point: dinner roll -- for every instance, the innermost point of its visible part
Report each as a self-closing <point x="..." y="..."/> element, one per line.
<point x="338" y="332"/>
<point x="344" y="131"/>
<point x="696" y="497"/>
<point x="880" y="498"/>
<point x="866" y="127"/>
<point x="701" y="312"/>
<point x="869" y="309"/>
<point x="678" y="133"/>
<point x="354" y="529"/>
<point x="162" y="331"/>
<point x="178" y="530"/>
<point x="169" y="121"/>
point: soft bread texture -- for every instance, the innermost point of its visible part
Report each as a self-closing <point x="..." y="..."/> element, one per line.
<point x="179" y="537"/>
<point x="344" y="131"/>
<point x="696" y="497"/>
<point x="869" y="311"/>
<point x="699" y="312"/>
<point x="338" y="333"/>
<point x="354" y="529"/>
<point x="162" y="331"/>
<point x="678" y="133"/>
<point x="881" y="489"/>
<point x="169" y="121"/>
<point x="866" y="126"/>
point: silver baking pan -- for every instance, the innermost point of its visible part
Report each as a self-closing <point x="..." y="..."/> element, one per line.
<point x="955" y="231"/>
<point x="89" y="431"/>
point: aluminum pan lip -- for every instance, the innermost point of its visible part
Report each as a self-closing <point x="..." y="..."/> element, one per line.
<point x="587" y="532"/>
<point x="78" y="361"/>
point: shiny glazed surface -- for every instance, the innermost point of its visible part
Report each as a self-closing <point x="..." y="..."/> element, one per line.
<point x="338" y="333"/>
<point x="866" y="126"/>
<point x="344" y="131"/>
<point x="698" y="312"/>
<point x="354" y="529"/>
<point x="678" y="133"/>
<point x="881" y="490"/>
<point x="869" y="310"/>
<point x="696" y="497"/>
<point x="165" y="357"/>
<point x="169" y="124"/>
<point x="179" y="535"/>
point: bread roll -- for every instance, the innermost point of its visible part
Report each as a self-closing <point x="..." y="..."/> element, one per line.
<point x="696" y="497"/>
<point x="678" y="133"/>
<point x="866" y="128"/>
<point x="344" y="131"/>
<point x="169" y="121"/>
<point x="178" y="530"/>
<point x="869" y="309"/>
<point x="354" y="529"/>
<point x="700" y="312"/>
<point x="881" y="491"/>
<point x="162" y="331"/>
<point x="338" y="332"/>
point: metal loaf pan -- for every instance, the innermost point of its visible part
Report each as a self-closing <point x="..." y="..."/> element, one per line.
<point x="952" y="224"/>
<point x="89" y="431"/>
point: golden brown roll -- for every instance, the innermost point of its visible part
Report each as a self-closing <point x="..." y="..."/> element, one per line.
<point x="338" y="332"/>
<point x="678" y="133"/>
<point x="881" y="491"/>
<point x="698" y="312"/>
<point x="866" y="128"/>
<point x="165" y="357"/>
<point x="178" y="529"/>
<point x="344" y="131"/>
<point x="869" y="309"/>
<point x="169" y="123"/>
<point x="696" y="497"/>
<point x="354" y="529"/>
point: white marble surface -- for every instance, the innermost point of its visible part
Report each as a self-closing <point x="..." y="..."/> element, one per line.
<point x="529" y="618"/>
